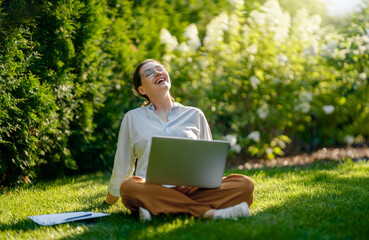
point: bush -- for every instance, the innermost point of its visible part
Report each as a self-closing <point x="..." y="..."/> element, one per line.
<point x="27" y="111"/>
<point x="57" y="75"/>
<point x="349" y="54"/>
<point x="263" y="77"/>
<point x="65" y="78"/>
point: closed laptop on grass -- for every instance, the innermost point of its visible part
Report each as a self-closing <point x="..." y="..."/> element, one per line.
<point x="187" y="162"/>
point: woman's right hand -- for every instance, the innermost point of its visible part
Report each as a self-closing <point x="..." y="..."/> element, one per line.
<point x="110" y="199"/>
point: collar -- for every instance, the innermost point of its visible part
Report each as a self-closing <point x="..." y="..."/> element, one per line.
<point x="151" y="106"/>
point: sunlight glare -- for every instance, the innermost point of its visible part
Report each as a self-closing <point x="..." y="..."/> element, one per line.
<point x="341" y="7"/>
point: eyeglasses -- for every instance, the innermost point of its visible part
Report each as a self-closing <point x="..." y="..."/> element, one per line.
<point x="150" y="72"/>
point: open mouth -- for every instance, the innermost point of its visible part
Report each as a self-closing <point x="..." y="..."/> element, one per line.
<point x="160" y="80"/>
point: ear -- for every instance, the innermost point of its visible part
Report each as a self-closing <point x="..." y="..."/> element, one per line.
<point x="141" y="90"/>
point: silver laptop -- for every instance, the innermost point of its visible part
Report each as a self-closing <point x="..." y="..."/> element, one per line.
<point x="187" y="162"/>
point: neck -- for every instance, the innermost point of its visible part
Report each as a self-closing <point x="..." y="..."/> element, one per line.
<point x="162" y="104"/>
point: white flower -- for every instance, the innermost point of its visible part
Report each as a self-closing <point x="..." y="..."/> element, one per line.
<point x="237" y="3"/>
<point x="257" y="17"/>
<point x="255" y="135"/>
<point x="271" y="19"/>
<point x="215" y="30"/>
<point x="166" y="38"/>
<point x="303" y="107"/>
<point x="192" y="34"/>
<point x="269" y="151"/>
<point x="254" y="81"/>
<point x="328" y="109"/>
<point x="310" y="51"/>
<point x="362" y="76"/>
<point x="276" y="80"/>
<point x="362" y="49"/>
<point x="306" y="96"/>
<point x="306" y="26"/>
<point x="167" y="58"/>
<point x="349" y="139"/>
<point x="365" y="38"/>
<point x="328" y="49"/>
<point x="236" y="148"/>
<point x="234" y="25"/>
<point x="263" y="111"/>
<point x="281" y="58"/>
<point x="204" y="63"/>
<point x="183" y="47"/>
<point x="191" y="31"/>
<point x="252" y="49"/>
<point x="232" y="139"/>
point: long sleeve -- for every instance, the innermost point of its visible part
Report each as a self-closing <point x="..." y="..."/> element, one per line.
<point x="205" y="132"/>
<point x="136" y="131"/>
<point x="124" y="159"/>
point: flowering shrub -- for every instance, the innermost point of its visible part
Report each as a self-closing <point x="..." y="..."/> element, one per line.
<point x="261" y="76"/>
<point x="345" y="114"/>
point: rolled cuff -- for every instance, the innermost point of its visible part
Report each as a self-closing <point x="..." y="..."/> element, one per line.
<point x="113" y="190"/>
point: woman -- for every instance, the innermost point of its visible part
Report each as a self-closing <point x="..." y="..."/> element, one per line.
<point x="162" y="116"/>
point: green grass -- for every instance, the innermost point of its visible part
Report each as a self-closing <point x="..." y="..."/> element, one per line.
<point x="319" y="201"/>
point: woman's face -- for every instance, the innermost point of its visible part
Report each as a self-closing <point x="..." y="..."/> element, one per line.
<point x="154" y="78"/>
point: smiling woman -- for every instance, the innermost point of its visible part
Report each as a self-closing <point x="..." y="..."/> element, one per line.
<point x="143" y="77"/>
<point x="155" y="82"/>
<point x="161" y="116"/>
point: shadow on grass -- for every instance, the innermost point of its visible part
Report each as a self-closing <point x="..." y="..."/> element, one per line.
<point x="341" y="214"/>
<point x="80" y="181"/>
<point x="273" y="171"/>
<point x="338" y="209"/>
<point x="91" y="202"/>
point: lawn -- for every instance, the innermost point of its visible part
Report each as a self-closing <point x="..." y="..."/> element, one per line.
<point x="324" y="200"/>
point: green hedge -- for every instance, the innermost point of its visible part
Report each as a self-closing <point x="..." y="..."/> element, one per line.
<point x="65" y="78"/>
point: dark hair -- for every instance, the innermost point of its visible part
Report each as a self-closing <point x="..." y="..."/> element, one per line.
<point x="137" y="80"/>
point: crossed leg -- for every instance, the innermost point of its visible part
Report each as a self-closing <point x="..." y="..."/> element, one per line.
<point x="234" y="189"/>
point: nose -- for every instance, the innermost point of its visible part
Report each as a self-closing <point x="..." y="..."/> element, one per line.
<point x="158" y="72"/>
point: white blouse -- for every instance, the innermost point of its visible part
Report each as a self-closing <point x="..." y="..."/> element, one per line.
<point x="136" y="131"/>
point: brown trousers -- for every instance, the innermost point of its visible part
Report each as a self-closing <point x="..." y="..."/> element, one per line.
<point x="234" y="189"/>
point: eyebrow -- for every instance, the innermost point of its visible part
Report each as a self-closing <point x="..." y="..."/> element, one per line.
<point x="151" y="69"/>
